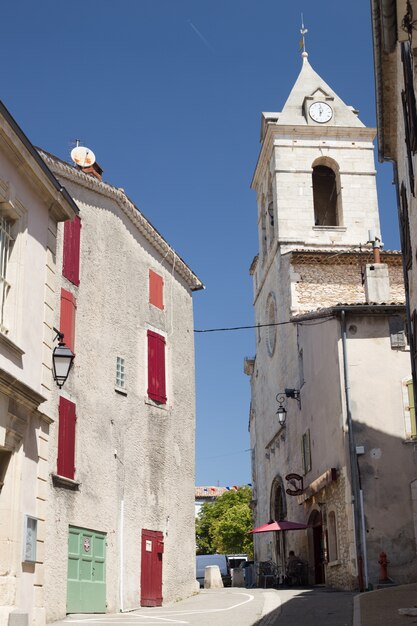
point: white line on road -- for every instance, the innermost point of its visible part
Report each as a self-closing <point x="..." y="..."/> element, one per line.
<point x="160" y="616"/>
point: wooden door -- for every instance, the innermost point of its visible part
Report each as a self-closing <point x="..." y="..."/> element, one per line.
<point x="86" y="589"/>
<point x="151" y="568"/>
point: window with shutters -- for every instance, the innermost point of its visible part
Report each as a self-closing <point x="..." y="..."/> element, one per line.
<point x="405" y="229"/>
<point x="67" y="318"/>
<point x="71" y="250"/>
<point x="409" y="109"/>
<point x="156" y="289"/>
<point x="156" y="367"/>
<point x="411" y="427"/>
<point x="66" y="438"/>
<point x="332" y="537"/>
<point x="397" y="333"/>
<point x="6" y="244"/>
<point x="306" y="451"/>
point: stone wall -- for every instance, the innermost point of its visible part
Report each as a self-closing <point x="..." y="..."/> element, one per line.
<point x="325" y="284"/>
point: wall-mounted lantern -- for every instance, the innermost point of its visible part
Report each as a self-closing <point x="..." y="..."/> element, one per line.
<point x="282" y="401"/>
<point x="62" y="358"/>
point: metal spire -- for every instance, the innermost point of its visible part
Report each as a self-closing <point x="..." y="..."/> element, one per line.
<point x="303" y="32"/>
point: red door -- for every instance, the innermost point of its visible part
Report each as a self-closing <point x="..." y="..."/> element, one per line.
<point x="151" y="570"/>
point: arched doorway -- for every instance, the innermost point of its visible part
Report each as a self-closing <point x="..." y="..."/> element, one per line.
<point x="316" y="546"/>
<point x="278" y="509"/>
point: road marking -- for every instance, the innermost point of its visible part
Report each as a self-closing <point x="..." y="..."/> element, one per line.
<point x="160" y="616"/>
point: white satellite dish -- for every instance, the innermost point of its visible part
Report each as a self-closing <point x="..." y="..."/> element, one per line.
<point x="83" y="156"/>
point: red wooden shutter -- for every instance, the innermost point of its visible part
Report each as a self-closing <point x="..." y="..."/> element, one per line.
<point x="156" y="289"/>
<point x="156" y="367"/>
<point x="66" y="438"/>
<point x="71" y="252"/>
<point x="67" y="321"/>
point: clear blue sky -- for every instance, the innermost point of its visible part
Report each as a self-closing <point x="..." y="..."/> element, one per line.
<point x="168" y="94"/>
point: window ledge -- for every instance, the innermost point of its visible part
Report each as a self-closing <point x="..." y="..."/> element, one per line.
<point x="157" y="405"/>
<point x="120" y="391"/>
<point x="8" y="343"/>
<point x="334" y="563"/>
<point x="410" y="439"/>
<point x="63" y="481"/>
<point x="341" y="229"/>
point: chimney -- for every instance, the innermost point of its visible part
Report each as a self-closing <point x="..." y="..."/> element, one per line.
<point x="377" y="283"/>
<point x="93" y="170"/>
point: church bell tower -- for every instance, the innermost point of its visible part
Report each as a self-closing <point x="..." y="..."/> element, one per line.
<point x="315" y="176"/>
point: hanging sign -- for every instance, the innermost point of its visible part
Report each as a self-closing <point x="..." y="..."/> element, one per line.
<point x="296" y="482"/>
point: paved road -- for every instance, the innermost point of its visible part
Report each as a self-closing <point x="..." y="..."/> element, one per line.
<point x="237" y="607"/>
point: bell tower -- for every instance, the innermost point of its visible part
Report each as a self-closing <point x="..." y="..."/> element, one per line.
<point x="315" y="176"/>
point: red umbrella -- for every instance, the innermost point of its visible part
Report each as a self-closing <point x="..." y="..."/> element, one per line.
<point x="280" y="525"/>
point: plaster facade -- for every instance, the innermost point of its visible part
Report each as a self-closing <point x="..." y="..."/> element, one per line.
<point x="31" y="203"/>
<point x="394" y="42"/>
<point x="134" y="458"/>
<point x="333" y="352"/>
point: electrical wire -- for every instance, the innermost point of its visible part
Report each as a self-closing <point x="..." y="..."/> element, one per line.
<point x="301" y="323"/>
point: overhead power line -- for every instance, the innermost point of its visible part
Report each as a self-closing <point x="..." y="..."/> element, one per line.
<point x="301" y="322"/>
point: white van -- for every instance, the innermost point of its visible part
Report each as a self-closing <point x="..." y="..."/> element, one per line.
<point x="202" y="560"/>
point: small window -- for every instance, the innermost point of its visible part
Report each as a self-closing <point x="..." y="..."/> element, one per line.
<point x="120" y="372"/>
<point x="325" y="196"/>
<point x="306" y="451"/>
<point x="156" y="289"/>
<point x="332" y="537"/>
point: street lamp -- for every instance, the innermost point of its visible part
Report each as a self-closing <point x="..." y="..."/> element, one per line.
<point x="62" y="358"/>
<point x="282" y="411"/>
<point x="282" y="401"/>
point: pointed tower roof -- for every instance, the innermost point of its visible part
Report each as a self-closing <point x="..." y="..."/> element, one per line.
<point x="309" y="86"/>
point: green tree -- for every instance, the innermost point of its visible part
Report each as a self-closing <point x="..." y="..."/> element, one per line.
<point x="223" y="525"/>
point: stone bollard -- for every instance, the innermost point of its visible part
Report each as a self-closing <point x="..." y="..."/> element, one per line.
<point x="383" y="570"/>
<point x="212" y="577"/>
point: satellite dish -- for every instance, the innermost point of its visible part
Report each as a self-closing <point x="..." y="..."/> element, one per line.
<point x="83" y="156"/>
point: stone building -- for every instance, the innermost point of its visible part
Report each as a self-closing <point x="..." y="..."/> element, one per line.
<point x="330" y="414"/>
<point x="121" y="486"/>
<point x="395" y="41"/>
<point x="32" y="201"/>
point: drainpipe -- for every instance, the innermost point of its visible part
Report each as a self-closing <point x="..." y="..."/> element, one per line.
<point x="357" y="495"/>
<point x="122" y="555"/>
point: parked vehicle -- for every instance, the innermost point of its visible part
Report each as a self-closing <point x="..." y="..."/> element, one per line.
<point x="236" y="560"/>
<point x="202" y="560"/>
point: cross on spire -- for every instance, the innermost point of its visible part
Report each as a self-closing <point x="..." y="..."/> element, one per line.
<point x="303" y="32"/>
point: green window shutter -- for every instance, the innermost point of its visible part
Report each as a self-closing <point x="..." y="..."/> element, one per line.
<point x="412" y="408"/>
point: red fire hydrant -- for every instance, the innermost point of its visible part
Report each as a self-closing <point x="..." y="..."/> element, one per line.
<point x="383" y="570"/>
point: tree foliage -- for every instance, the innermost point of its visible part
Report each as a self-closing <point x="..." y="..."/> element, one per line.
<point x="223" y="525"/>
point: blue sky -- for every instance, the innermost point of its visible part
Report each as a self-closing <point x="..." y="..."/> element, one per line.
<point x="168" y="94"/>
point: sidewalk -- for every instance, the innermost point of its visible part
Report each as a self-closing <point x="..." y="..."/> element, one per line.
<point x="380" y="608"/>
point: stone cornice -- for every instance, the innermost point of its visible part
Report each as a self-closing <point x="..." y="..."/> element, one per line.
<point x="64" y="170"/>
<point x="22" y="393"/>
<point x="277" y="131"/>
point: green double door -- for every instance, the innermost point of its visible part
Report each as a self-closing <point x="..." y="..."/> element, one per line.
<point x="86" y="591"/>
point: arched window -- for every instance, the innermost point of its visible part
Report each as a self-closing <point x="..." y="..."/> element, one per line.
<point x="271" y="329"/>
<point x="332" y="536"/>
<point x="325" y="196"/>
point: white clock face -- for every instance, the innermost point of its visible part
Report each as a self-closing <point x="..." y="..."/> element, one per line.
<point x="320" y="112"/>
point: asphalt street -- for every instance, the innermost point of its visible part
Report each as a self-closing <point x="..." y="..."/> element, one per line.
<point x="237" y="607"/>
